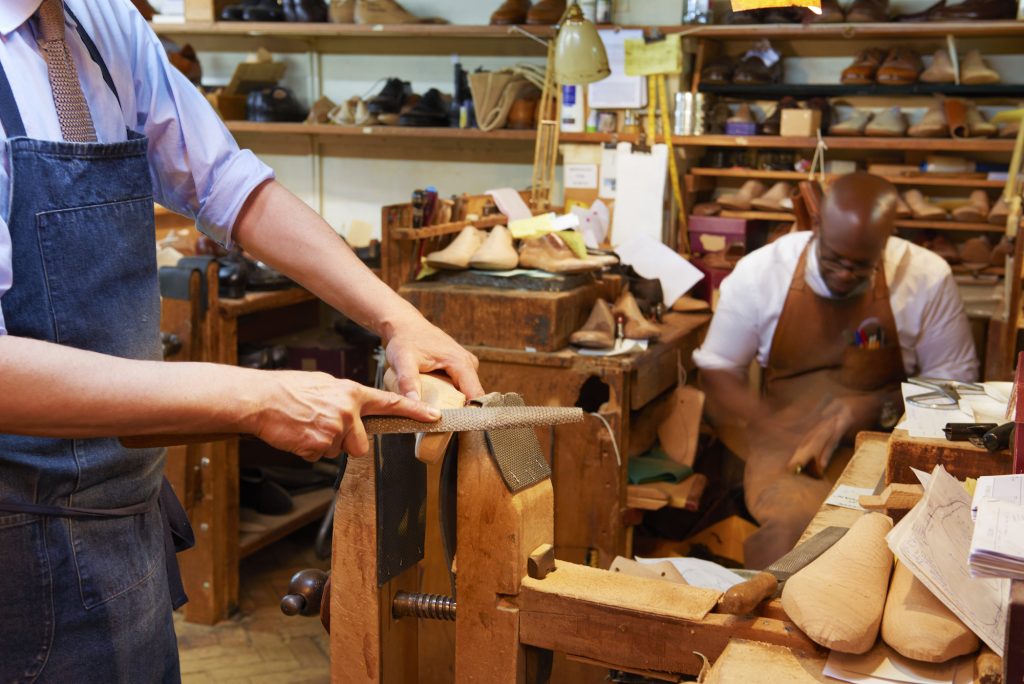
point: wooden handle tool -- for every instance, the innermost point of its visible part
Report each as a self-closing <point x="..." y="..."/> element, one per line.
<point x="744" y="597"/>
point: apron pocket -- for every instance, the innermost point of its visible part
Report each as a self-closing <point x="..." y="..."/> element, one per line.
<point x="114" y="555"/>
<point x="26" y="628"/>
<point x="867" y="370"/>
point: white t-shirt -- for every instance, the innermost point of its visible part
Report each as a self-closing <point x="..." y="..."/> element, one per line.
<point x="934" y="333"/>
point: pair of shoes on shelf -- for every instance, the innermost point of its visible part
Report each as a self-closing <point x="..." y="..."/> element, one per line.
<point x="760" y="65"/>
<point x="599" y="331"/>
<point x="974" y="70"/>
<point x="899" y="66"/>
<point x="977" y="209"/>
<point x="754" y="194"/>
<point x="374" y="12"/>
<point x="474" y="248"/>
<point x="253" y="10"/>
<point x="890" y="123"/>
<point x="352" y="112"/>
<point x="543" y="13"/>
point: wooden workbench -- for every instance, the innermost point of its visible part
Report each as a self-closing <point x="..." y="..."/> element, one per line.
<point x="589" y="479"/>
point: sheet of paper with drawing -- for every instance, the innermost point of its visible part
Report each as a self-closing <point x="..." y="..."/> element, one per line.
<point x="928" y="422"/>
<point x="934" y="541"/>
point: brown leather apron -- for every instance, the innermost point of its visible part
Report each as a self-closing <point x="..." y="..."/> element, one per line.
<point x="811" y="363"/>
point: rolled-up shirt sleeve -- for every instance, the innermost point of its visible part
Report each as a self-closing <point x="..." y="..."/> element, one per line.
<point x="197" y="167"/>
<point x="733" y="338"/>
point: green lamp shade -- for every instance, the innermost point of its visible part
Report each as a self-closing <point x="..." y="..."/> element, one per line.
<point x="580" y="57"/>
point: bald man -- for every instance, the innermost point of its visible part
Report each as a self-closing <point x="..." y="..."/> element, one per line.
<point x="794" y="305"/>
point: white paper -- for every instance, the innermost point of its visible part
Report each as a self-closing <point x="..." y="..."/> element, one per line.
<point x="846" y="496"/>
<point x="997" y="547"/>
<point x="510" y="203"/>
<point x="593" y="223"/>
<point x="922" y="477"/>
<point x="1008" y="488"/>
<point x="883" y="665"/>
<point x="639" y="192"/>
<point x="580" y="176"/>
<point x="925" y="422"/>
<point x="618" y="91"/>
<point x="700" y="573"/>
<point x="623" y="346"/>
<point x="933" y="541"/>
<point x="606" y="188"/>
<point x="652" y="259"/>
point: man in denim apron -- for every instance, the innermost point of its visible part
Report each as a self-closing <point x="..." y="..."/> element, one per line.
<point x="87" y="556"/>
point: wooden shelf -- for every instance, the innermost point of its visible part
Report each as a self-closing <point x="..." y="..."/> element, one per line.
<point x="758" y="215"/>
<point x="308" y="507"/>
<point x="892" y="30"/>
<point x="714" y="31"/>
<point x="445" y="228"/>
<point x="262" y="301"/>
<point x="800" y="91"/>
<point x="950" y="225"/>
<point x="282" y="29"/>
<point x="922" y="179"/>
<point x="850" y="143"/>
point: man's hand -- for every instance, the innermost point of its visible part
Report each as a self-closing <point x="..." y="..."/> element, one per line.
<point x="419" y="347"/>
<point x="841" y="417"/>
<point x="315" y="415"/>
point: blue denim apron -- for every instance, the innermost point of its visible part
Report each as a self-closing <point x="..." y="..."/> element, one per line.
<point x="84" y="542"/>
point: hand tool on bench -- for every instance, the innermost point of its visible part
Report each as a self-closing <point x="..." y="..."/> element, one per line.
<point x="452" y="420"/>
<point x="744" y="597"/>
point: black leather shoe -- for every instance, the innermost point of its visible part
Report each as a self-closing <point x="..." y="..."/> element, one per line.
<point x="307" y="11"/>
<point x="391" y="97"/>
<point x="263" y="10"/>
<point x="231" y="277"/>
<point x="431" y="110"/>
<point x="263" y="277"/>
<point x="257" y="492"/>
<point x="274" y="104"/>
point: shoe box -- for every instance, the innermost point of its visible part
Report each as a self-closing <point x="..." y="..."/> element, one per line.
<point x="716" y="233"/>
<point x="327" y="352"/>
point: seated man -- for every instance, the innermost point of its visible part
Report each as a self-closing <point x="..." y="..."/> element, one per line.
<point x="796" y="306"/>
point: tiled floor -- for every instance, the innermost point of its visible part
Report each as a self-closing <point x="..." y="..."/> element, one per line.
<point x="260" y="645"/>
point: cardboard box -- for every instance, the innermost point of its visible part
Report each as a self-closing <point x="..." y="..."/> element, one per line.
<point x="230" y="107"/>
<point x="800" y="123"/>
<point x="740" y="128"/>
<point x="715" y="233"/>
<point x="327" y="352"/>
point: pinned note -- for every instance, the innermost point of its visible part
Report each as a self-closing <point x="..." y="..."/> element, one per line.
<point x="657" y="57"/>
<point x="528" y="227"/>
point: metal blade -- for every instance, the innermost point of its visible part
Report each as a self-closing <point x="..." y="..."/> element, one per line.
<point x="475" y="419"/>
<point x="802" y="555"/>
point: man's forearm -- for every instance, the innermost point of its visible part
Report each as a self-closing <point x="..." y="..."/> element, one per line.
<point x="278" y="228"/>
<point x="57" y="391"/>
<point x="729" y="396"/>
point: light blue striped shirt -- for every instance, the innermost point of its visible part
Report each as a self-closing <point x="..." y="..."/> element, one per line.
<point x="197" y="168"/>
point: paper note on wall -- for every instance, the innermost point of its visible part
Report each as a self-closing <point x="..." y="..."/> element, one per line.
<point x="619" y="90"/>
<point x="657" y="57"/>
<point x="581" y="176"/>
<point x="639" y="192"/>
<point x="606" y="189"/>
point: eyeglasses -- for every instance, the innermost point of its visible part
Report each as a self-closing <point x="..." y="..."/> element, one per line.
<point x="831" y="261"/>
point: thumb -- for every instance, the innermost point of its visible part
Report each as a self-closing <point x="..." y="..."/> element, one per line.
<point x="376" y="402"/>
<point x="408" y="372"/>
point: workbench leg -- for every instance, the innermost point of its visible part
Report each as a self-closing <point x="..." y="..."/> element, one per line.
<point x="497" y="532"/>
<point x="367" y="644"/>
<point x="1013" y="658"/>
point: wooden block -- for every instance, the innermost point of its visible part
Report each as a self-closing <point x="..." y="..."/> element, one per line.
<point x="646" y="491"/>
<point x="508" y="319"/>
<point x="685" y="494"/>
<point x="663" y="570"/>
<point x="960" y="459"/>
<point x="755" y="663"/>
<point x="541" y="561"/>
<point x="900" y="497"/>
<point x="645" y="504"/>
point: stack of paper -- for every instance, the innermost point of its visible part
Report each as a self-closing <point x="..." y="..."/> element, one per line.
<point x="997" y="547"/>
<point x="882" y="665"/>
<point x="934" y="542"/>
<point x="1008" y="488"/>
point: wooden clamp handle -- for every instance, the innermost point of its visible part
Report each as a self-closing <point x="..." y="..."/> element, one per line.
<point x="744" y="597"/>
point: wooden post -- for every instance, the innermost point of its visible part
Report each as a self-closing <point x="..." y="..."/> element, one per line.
<point x="497" y="532"/>
<point x="367" y="643"/>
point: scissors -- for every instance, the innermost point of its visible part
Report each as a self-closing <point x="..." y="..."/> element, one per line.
<point x="945" y="394"/>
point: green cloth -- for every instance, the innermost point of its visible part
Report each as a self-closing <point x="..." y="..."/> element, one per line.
<point x="656" y="466"/>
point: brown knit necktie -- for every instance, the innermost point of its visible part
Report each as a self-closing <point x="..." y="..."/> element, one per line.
<point x="72" y="109"/>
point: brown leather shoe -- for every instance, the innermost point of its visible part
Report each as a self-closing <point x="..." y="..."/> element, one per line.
<point x="342" y="11"/>
<point x="902" y="66"/>
<point x="546" y="12"/>
<point x="975" y="211"/>
<point x="863" y="69"/>
<point x="511" y="12"/>
<point x="599" y="330"/>
<point x="831" y="13"/>
<point x="861" y="11"/>
<point x="550" y="253"/>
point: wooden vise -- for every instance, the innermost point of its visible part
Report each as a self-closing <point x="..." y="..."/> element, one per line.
<point x="516" y="605"/>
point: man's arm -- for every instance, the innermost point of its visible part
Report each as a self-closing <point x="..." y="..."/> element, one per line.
<point x="278" y="228"/>
<point x="57" y="391"/>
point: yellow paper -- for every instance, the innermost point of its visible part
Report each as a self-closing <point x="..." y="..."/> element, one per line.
<point x="744" y="5"/>
<point x="659" y="57"/>
<point x="525" y="228"/>
<point x="574" y="241"/>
